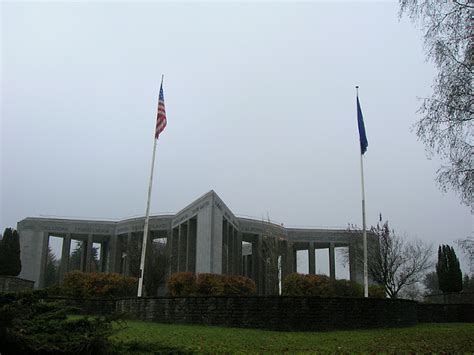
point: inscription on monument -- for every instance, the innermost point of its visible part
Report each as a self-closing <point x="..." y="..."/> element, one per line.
<point x="188" y="215"/>
<point x="55" y="228"/>
<point x="97" y="230"/>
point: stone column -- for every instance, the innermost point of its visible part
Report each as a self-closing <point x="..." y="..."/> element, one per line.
<point x="174" y="250"/>
<point x="332" y="262"/>
<point x="192" y="230"/>
<point x="65" y="256"/>
<point x="183" y="245"/>
<point x="294" y="259"/>
<point x="238" y="267"/>
<point x="112" y="252"/>
<point x="230" y="249"/>
<point x="260" y="266"/>
<point x="225" y="244"/>
<point x="103" y="256"/>
<point x="356" y="265"/>
<point x="312" y="259"/>
<point x="283" y="245"/>
<point x="89" y="253"/>
<point x="127" y="258"/>
<point x="43" y="259"/>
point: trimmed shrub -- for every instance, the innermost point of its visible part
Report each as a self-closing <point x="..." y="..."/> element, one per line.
<point x="322" y="286"/>
<point x="307" y="285"/>
<point x="239" y="286"/>
<point x="347" y="288"/>
<point x="30" y="324"/>
<point x="210" y="285"/>
<point x="377" y="291"/>
<point x="183" y="284"/>
<point x="97" y="285"/>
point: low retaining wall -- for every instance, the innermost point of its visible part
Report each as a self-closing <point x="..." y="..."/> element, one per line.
<point x="445" y="313"/>
<point x="15" y="284"/>
<point x="451" y="298"/>
<point x="275" y="313"/>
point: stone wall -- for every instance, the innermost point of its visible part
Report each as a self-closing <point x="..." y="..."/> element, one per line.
<point x="445" y="313"/>
<point x="14" y="284"/>
<point x="275" y="313"/>
<point x="451" y="298"/>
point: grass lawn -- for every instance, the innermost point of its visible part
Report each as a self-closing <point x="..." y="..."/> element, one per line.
<point x="143" y="337"/>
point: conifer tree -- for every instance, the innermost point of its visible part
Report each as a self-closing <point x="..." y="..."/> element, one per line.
<point x="10" y="263"/>
<point x="448" y="270"/>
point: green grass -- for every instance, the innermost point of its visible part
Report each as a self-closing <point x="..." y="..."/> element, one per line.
<point x="144" y="337"/>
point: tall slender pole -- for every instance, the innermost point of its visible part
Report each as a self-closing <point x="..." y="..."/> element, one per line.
<point x="147" y="219"/>
<point x="364" y="229"/>
<point x="364" y="226"/>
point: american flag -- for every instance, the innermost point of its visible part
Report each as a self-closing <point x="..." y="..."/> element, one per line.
<point x="161" y="115"/>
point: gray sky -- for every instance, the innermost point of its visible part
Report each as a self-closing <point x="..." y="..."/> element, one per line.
<point x="260" y="102"/>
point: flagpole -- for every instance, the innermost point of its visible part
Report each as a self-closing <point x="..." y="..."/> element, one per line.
<point x="147" y="219"/>
<point x="364" y="226"/>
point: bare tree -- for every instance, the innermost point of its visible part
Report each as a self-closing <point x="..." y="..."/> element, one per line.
<point x="395" y="263"/>
<point x="446" y="126"/>
<point x="398" y="263"/>
<point x="467" y="246"/>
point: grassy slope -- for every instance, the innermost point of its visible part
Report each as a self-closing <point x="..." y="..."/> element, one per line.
<point x="142" y="336"/>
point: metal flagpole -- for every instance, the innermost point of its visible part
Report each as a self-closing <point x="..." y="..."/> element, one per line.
<point x="364" y="227"/>
<point x="147" y="218"/>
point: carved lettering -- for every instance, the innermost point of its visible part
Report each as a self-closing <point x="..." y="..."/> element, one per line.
<point x="55" y="228"/>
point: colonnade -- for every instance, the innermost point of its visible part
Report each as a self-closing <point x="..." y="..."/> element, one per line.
<point x="312" y="247"/>
<point x="182" y="247"/>
<point x="106" y="261"/>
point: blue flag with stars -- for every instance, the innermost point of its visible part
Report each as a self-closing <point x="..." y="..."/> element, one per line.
<point x="360" y="122"/>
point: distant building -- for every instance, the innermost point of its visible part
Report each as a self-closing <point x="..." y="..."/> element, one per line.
<point x="204" y="237"/>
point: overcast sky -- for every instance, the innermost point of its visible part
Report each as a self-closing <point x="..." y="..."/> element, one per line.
<point x="260" y="101"/>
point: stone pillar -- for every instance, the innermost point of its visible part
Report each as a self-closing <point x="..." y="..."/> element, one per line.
<point x="356" y="265"/>
<point x="260" y="266"/>
<point x="66" y="249"/>
<point x="332" y="262"/>
<point x="230" y="249"/>
<point x="112" y="252"/>
<point x="178" y="251"/>
<point x="103" y="256"/>
<point x="44" y="259"/>
<point x="312" y="259"/>
<point x="127" y="258"/>
<point x="225" y="245"/>
<point x="174" y="250"/>
<point x="182" y="247"/>
<point x="284" y="259"/>
<point x="192" y="231"/>
<point x="238" y="267"/>
<point x="89" y="253"/>
<point x="294" y="259"/>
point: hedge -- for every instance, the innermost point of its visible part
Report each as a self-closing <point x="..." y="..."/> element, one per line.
<point x="94" y="284"/>
<point x="183" y="284"/>
<point x="323" y="286"/>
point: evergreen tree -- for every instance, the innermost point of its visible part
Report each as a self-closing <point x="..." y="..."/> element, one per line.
<point x="52" y="268"/>
<point x="79" y="253"/>
<point x="10" y="263"/>
<point x="448" y="270"/>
